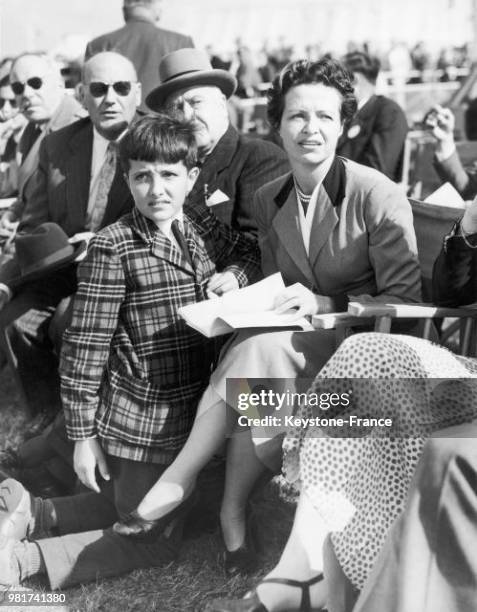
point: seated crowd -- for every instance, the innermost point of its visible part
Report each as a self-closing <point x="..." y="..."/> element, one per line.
<point x="130" y="206"/>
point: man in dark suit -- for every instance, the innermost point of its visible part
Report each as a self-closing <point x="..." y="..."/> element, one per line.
<point x="377" y="133"/>
<point x="47" y="109"/>
<point x="141" y="40"/>
<point x="233" y="166"/>
<point x="79" y="186"/>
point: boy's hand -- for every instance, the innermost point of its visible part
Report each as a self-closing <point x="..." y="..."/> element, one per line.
<point x="87" y="455"/>
<point x="221" y="282"/>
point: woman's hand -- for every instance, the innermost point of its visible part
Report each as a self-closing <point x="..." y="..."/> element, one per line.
<point x="306" y="302"/>
<point x="220" y="283"/>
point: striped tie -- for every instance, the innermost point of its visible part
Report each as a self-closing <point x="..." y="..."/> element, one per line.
<point x="105" y="180"/>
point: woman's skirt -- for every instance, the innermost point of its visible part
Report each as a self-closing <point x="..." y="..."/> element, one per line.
<point x="278" y="366"/>
<point x="391" y="393"/>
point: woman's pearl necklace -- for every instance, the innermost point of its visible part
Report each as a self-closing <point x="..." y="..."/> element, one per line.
<point x="304" y="199"/>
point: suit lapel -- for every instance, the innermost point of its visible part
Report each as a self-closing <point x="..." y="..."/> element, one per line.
<point x="161" y="247"/>
<point x="330" y="196"/>
<point x="29" y="164"/>
<point x="119" y="195"/>
<point x="64" y="115"/>
<point x="78" y="173"/>
<point x="213" y="165"/>
<point x="286" y="224"/>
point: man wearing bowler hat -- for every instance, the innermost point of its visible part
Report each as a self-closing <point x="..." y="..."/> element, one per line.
<point x="233" y="166"/>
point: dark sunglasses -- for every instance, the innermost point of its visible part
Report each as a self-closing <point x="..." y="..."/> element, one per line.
<point x="13" y="102"/>
<point x="18" y="88"/>
<point x="98" y="89"/>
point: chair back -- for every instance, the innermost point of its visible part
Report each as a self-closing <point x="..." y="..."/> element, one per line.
<point x="431" y="223"/>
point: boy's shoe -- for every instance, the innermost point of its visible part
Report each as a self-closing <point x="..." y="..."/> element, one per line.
<point x="15" y="510"/>
<point x="9" y="569"/>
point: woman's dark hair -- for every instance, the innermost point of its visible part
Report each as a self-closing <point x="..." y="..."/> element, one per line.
<point x="327" y="71"/>
<point x="365" y="64"/>
<point x="159" y="138"/>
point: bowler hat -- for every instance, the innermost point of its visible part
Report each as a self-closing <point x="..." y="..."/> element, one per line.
<point x="188" y="68"/>
<point x="43" y="251"/>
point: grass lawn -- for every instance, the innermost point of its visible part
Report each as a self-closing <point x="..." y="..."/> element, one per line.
<point x="183" y="586"/>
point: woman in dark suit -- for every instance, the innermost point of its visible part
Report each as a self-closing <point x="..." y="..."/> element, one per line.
<point x="335" y="230"/>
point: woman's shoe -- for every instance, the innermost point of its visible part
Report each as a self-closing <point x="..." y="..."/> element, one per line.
<point x="243" y="560"/>
<point x="253" y="603"/>
<point x="135" y="526"/>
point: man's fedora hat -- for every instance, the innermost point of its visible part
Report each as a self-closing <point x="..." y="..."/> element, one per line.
<point x="43" y="251"/>
<point x="188" y="68"/>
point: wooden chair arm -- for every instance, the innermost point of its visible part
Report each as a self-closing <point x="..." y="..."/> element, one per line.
<point x="336" y="319"/>
<point x="408" y="311"/>
<point x="382" y="315"/>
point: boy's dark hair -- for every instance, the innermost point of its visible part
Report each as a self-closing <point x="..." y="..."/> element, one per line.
<point x="159" y="138"/>
<point x="327" y="71"/>
<point x="365" y="64"/>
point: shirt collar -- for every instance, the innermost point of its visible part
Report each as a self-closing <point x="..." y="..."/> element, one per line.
<point x="98" y="138"/>
<point x="148" y="229"/>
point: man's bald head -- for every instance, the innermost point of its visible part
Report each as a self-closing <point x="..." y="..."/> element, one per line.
<point x="37" y="79"/>
<point x="109" y="61"/>
<point x="110" y="92"/>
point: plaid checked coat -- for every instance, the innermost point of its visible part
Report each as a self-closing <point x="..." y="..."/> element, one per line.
<point x="132" y="371"/>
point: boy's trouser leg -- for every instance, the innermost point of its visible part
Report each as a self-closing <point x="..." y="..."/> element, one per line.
<point x="130" y="481"/>
<point x="82" y="557"/>
<point x="79" y="558"/>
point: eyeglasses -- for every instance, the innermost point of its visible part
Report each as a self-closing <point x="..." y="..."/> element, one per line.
<point x="18" y="88"/>
<point x="12" y="102"/>
<point x="98" y="89"/>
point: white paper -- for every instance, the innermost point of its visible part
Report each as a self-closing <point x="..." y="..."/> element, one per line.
<point x="446" y="195"/>
<point x="248" y="307"/>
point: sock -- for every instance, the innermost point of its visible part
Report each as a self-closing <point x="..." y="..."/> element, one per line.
<point x="28" y="557"/>
<point x="43" y="519"/>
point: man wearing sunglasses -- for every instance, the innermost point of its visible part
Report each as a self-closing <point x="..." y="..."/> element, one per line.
<point x="12" y="124"/>
<point x="79" y="186"/>
<point x="40" y="96"/>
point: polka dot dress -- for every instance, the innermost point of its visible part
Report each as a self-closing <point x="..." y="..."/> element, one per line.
<point x="358" y="477"/>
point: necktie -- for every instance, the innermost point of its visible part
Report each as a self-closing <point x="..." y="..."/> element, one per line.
<point x="105" y="180"/>
<point x="181" y="241"/>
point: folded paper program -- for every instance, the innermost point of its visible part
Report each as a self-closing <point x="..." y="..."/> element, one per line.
<point x="250" y="307"/>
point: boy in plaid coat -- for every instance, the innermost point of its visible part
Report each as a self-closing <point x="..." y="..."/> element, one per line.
<point x="132" y="372"/>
